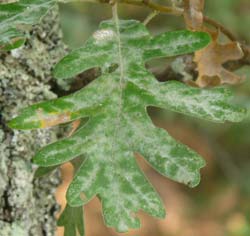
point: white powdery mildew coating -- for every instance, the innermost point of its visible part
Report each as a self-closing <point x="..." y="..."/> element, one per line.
<point x="119" y="125"/>
<point x="158" y="149"/>
<point x="102" y="36"/>
<point x="89" y="178"/>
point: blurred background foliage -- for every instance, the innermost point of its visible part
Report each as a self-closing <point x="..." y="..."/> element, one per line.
<point x="220" y="205"/>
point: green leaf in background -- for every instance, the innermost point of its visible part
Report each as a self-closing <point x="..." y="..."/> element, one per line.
<point x="119" y="125"/>
<point x="72" y="221"/>
<point x="14" y="16"/>
<point x="43" y="171"/>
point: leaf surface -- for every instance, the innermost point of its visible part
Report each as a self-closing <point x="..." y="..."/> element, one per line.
<point x="15" y="16"/>
<point x="43" y="171"/>
<point x="119" y="126"/>
<point x="210" y="61"/>
<point x="72" y="221"/>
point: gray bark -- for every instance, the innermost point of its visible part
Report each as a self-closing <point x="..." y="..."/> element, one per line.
<point x="27" y="205"/>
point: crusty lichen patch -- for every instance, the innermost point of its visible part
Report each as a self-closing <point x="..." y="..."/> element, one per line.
<point x="27" y="205"/>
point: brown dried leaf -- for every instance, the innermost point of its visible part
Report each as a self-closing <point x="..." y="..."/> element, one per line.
<point x="193" y="13"/>
<point x="210" y="62"/>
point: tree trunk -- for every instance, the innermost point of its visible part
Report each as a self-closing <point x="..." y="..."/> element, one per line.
<point x="27" y="205"/>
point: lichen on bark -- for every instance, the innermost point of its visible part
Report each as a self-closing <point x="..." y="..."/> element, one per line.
<point x="27" y="205"/>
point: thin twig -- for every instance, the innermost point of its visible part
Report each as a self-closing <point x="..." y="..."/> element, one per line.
<point x="167" y="10"/>
<point x="150" y="17"/>
<point x="163" y="9"/>
<point x="114" y="9"/>
<point x="219" y="26"/>
<point x="154" y="6"/>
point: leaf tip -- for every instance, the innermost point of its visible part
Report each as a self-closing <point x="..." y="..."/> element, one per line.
<point x="162" y="213"/>
<point x="196" y="177"/>
<point x="12" y="124"/>
<point x="19" y="123"/>
<point x="205" y="37"/>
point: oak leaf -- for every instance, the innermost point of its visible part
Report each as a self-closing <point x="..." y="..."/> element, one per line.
<point x="118" y="125"/>
<point x="210" y="62"/>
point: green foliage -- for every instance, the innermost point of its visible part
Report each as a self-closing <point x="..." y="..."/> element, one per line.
<point x="119" y="125"/>
<point x="72" y="221"/>
<point x="43" y="171"/>
<point x="15" y="16"/>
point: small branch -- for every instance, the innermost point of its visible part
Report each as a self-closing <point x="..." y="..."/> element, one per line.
<point x="172" y="11"/>
<point x="74" y="1"/>
<point x="154" y="6"/>
<point x="114" y="10"/>
<point x="150" y="17"/>
<point x="163" y="9"/>
<point x="219" y="26"/>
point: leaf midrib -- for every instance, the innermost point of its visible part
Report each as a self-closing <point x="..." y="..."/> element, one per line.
<point x="121" y="83"/>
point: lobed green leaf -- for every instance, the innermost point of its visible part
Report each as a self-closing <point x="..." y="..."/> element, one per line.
<point x="119" y="126"/>
<point x="15" y="16"/>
